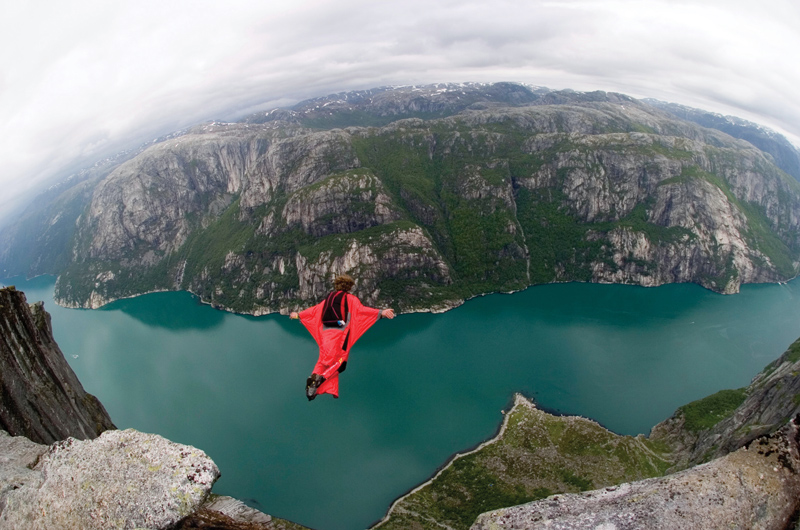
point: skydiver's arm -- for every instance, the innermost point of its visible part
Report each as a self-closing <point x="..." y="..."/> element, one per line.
<point x="295" y="315"/>
<point x="312" y="314"/>
<point x="384" y="313"/>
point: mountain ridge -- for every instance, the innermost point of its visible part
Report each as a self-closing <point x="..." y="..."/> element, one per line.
<point x="509" y="187"/>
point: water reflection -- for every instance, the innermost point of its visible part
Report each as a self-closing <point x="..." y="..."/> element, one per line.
<point x="169" y="310"/>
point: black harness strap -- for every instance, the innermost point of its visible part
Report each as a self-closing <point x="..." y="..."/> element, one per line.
<point x="335" y="310"/>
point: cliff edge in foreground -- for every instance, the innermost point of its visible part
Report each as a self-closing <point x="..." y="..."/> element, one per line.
<point x="93" y="476"/>
<point x="123" y="479"/>
<point x="730" y="419"/>
<point x="754" y="483"/>
<point x="40" y="396"/>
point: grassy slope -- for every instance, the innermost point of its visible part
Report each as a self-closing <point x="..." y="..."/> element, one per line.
<point x="536" y="456"/>
<point x="708" y="411"/>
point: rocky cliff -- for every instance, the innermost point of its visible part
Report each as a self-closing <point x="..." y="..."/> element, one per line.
<point x="40" y="396"/>
<point x="730" y="419"/>
<point x="785" y="155"/>
<point x="431" y="195"/>
<point x="39" y="242"/>
<point x="257" y="217"/>
<point x="745" y="448"/>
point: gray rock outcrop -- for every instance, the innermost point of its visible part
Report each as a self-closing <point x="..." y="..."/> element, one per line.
<point x="754" y="488"/>
<point x="754" y="483"/>
<point x="227" y="513"/>
<point x="123" y="479"/>
<point x="40" y="396"/>
<point x="771" y="399"/>
<point x="318" y="209"/>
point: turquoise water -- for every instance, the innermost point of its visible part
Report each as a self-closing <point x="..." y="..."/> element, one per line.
<point x="417" y="389"/>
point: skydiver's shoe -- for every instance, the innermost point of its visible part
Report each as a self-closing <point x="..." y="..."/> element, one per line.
<point x="312" y="384"/>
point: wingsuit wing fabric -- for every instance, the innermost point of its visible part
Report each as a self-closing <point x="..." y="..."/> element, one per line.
<point x="335" y="344"/>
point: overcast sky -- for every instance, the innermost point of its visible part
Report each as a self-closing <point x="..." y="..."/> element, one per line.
<point x="79" y="78"/>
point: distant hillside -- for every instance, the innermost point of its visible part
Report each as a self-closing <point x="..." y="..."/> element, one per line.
<point x="428" y="195"/>
<point x="380" y="106"/>
<point x="785" y="155"/>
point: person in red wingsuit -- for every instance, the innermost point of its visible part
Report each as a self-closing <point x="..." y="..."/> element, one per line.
<point x="336" y="324"/>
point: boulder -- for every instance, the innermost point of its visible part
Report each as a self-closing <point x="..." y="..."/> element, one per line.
<point x="123" y="479"/>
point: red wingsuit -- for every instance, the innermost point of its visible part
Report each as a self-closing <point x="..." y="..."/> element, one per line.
<point x="335" y="343"/>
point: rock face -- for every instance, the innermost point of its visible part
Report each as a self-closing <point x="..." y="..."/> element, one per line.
<point x="40" y="396"/>
<point x="736" y="418"/>
<point x="756" y="487"/>
<point x="431" y="195"/>
<point x="786" y="156"/>
<point x="226" y="513"/>
<point x="318" y="209"/>
<point x="123" y="479"/>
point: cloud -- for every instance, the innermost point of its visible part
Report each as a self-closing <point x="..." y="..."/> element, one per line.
<point x="83" y="78"/>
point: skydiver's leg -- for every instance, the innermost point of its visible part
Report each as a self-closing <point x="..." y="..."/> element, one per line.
<point x="336" y="368"/>
<point x="312" y="384"/>
<point x="328" y="366"/>
<point x="315" y="381"/>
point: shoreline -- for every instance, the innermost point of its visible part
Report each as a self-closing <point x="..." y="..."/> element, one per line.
<point x="263" y="311"/>
<point x="519" y="400"/>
